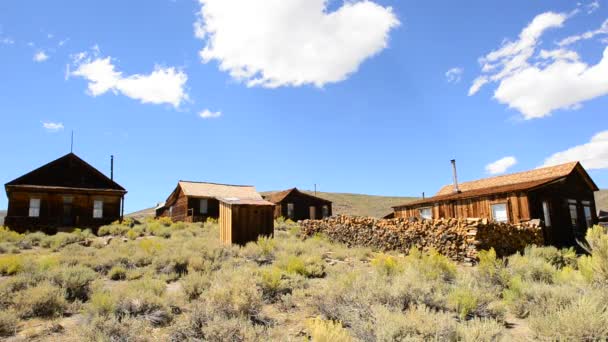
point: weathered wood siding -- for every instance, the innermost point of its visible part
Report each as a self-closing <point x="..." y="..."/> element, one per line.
<point x="479" y="207"/>
<point x="54" y="214"/>
<point x="240" y="224"/>
<point x="302" y="204"/>
<point x="188" y="209"/>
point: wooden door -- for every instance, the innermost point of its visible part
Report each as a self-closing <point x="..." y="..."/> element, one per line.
<point x="313" y="213"/>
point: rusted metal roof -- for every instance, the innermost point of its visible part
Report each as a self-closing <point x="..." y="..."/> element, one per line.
<point x="214" y="190"/>
<point x="521" y="181"/>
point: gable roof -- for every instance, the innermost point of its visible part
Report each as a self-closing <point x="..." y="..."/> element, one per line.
<point x="215" y="190"/>
<point x="521" y="181"/>
<point x="278" y="197"/>
<point x="67" y="172"/>
<point x="544" y="173"/>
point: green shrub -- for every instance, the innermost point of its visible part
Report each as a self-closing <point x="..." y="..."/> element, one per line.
<point x="271" y="283"/>
<point x="11" y="264"/>
<point x="8" y="323"/>
<point x="43" y="300"/>
<point x="585" y="319"/>
<point x="234" y="295"/>
<point x="522" y="297"/>
<point x="491" y="269"/>
<point x="480" y="330"/>
<point x="387" y="265"/>
<point x="463" y="301"/>
<point x="595" y="267"/>
<point x="102" y="328"/>
<point x="311" y="267"/>
<point x="132" y="234"/>
<point x="327" y="331"/>
<point x="558" y="258"/>
<point x="118" y="272"/>
<point x="201" y="325"/>
<point x="7" y="235"/>
<point x="417" y="323"/>
<point x="35" y="238"/>
<point x="113" y="229"/>
<point x="531" y="268"/>
<point x="75" y="281"/>
<point x="194" y="284"/>
<point x="431" y="265"/>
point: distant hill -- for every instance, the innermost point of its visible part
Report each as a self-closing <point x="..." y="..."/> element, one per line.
<point x="601" y="200"/>
<point x="358" y="204"/>
<point x="343" y="204"/>
<point x="2" y="214"/>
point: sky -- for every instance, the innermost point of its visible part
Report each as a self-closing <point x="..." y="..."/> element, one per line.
<point x="372" y="97"/>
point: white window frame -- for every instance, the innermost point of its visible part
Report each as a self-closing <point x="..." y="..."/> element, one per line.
<point x="34" y="208"/>
<point x="325" y="211"/>
<point x="547" y="213"/>
<point x="422" y="211"/>
<point x="204" y="206"/>
<point x="291" y="210"/>
<point x="98" y="209"/>
<point x="506" y="211"/>
<point x="573" y="218"/>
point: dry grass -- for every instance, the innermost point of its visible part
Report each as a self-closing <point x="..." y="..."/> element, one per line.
<point x="178" y="282"/>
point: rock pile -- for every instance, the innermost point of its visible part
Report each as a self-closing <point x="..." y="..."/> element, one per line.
<point x="458" y="239"/>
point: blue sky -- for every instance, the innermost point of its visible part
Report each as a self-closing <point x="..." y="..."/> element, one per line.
<point x="364" y="97"/>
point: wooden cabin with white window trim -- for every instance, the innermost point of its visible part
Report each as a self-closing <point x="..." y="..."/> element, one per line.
<point x="63" y="194"/>
<point x="561" y="196"/>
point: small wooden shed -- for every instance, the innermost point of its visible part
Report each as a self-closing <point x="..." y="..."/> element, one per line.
<point x="297" y="205"/>
<point x="245" y="220"/>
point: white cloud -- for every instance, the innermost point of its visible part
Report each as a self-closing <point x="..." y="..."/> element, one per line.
<point x="592" y="155"/>
<point x="163" y="85"/>
<point x="207" y="114"/>
<point x="454" y="75"/>
<point x="292" y="42"/>
<point x="557" y="79"/>
<point x="584" y="36"/>
<point x="40" y="56"/>
<point x="7" y="41"/>
<point x="52" y="126"/>
<point x="501" y="165"/>
<point x="593" y="6"/>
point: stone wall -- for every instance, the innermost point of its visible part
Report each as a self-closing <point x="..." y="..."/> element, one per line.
<point x="458" y="239"/>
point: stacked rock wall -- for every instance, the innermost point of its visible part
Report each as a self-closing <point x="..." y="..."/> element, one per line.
<point x="458" y="239"/>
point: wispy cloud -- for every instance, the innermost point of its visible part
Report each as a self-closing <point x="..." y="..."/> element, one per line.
<point x="593" y="155"/>
<point x="52" y="127"/>
<point x="40" y="56"/>
<point x="501" y="165"/>
<point x="584" y="36"/>
<point x="454" y="75"/>
<point x="207" y="114"/>
<point x="292" y="42"/>
<point x="164" y="85"/>
<point x="538" y="83"/>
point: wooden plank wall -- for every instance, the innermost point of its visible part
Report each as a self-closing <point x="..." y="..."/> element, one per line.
<point x="244" y="223"/>
<point x="517" y="206"/>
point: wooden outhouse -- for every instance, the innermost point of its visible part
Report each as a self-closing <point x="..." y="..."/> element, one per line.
<point x="245" y="220"/>
<point x="63" y="194"/>
<point x="561" y="196"/>
<point x="296" y="205"/>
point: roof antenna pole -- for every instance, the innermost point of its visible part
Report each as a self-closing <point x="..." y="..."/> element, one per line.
<point x="72" y="143"/>
<point x="456" y="189"/>
<point x="315" y="189"/>
<point x="112" y="167"/>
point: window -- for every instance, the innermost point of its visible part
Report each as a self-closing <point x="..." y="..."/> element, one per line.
<point x="290" y="210"/>
<point x="426" y="213"/>
<point x="34" y="207"/>
<point x="204" y="206"/>
<point x="499" y="212"/>
<point x="546" y="214"/>
<point x="97" y="209"/>
<point x="587" y="211"/>
<point x="325" y="211"/>
<point x="573" y="213"/>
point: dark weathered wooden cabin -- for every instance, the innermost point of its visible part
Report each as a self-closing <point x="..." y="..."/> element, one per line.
<point x="198" y="201"/>
<point x="560" y="196"/>
<point x="296" y="205"/>
<point x="64" y="193"/>
<point x="245" y="220"/>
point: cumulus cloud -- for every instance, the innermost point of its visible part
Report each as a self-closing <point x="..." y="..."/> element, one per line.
<point x="454" y="75"/>
<point x="207" y="114"/>
<point x="52" y="126"/>
<point x="536" y="84"/>
<point x="292" y="42"/>
<point x="164" y="85"/>
<point x="592" y="155"/>
<point x="501" y="165"/>
<point x="40" y="56"/>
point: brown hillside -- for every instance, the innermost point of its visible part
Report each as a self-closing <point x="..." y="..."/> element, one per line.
<point x="601" y="200"/>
